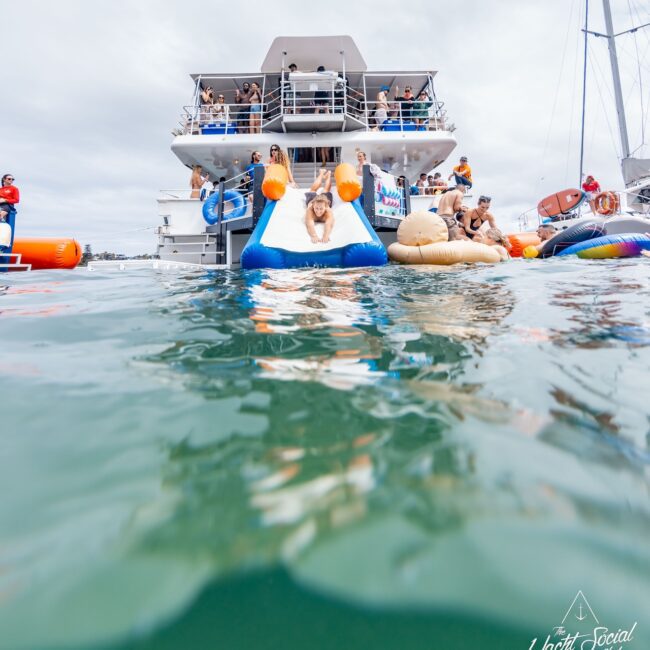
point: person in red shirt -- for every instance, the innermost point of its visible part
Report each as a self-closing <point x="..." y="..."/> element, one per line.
<point x="9" y="196"/>
<point x="591" y="189"/>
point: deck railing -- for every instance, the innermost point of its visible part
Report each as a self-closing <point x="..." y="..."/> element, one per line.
<point x="233" y="119"/>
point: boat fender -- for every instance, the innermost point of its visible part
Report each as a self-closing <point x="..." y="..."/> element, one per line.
<point x="347" y="182"/>
<point x="606" y="203"/>
<point x="210" y="210"/>
<point x="275" y="182"/>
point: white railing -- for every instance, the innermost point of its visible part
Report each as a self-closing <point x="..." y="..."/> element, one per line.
<point x="240" y="118"/>
<point x="242" y="183"/>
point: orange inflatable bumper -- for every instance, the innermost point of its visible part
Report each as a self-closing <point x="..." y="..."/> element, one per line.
<point x="522" y="240"/>
<point x="48" y="253"/>
<point x="347" y="182"/>
<point x="275" y="182"/>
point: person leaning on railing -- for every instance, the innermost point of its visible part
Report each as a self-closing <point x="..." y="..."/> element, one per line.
<point x="406" y="102"/>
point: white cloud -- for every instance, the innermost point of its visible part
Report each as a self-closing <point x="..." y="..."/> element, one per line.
<point x="91" y="91"/>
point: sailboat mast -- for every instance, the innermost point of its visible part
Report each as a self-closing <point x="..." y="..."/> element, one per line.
<point x="616" y="78"/>
<point x="584" y="96"/>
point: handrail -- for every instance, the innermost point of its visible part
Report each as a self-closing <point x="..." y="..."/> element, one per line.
<point x="331" y="97"/>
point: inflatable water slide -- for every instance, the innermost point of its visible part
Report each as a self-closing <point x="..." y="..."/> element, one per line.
<point x="280" y="239"/>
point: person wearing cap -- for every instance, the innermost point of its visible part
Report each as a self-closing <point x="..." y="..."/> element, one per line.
<point x="462" y="173"/>
<point x="381" y="107"/>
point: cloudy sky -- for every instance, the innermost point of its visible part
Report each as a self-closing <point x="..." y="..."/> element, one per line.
<point x="91" y="90"/>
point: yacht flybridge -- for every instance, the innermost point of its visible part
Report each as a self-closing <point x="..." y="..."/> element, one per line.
<point x="315" y="98"/>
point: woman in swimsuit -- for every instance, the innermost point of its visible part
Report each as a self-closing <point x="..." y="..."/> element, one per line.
<point x="475" y="218"/>
<point x="255" y="101"/>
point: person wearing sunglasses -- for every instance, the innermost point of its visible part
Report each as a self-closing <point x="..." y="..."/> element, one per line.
<point x="220" y="109"/>
<point x="9" y="196"/>
<point x="278" y="157"/>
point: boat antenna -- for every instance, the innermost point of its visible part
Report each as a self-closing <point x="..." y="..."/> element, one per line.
<point x="584" y="96"/>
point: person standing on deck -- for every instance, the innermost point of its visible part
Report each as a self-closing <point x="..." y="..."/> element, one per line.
<point x="242" y="97"/>
<point x="462" y="173"/>
<point x="591" y="188"/>
<point x="9" y="196"/>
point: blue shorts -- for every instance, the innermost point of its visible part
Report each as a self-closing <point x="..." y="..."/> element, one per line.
<point x="256" y="108"/>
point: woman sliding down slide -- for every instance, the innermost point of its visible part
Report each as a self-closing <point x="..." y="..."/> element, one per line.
<point x="318" y="210"/>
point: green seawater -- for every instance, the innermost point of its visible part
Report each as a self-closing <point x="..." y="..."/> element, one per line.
<point x="385" y="458"/>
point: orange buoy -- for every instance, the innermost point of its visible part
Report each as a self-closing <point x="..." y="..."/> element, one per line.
<point x="48" y="253"/>
<point x="347" y="182"/>
<point x="520" y="241"/>
<point x="275" y="182"/>
<point x="606" y="203"/>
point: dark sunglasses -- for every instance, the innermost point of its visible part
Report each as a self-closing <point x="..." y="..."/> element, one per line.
<point x="9" y="178"/>
<point x="274" y="149"/>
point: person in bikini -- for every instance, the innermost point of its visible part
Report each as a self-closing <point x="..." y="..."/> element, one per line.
<point x="319" y="211"/>
<point x="473" y="219"/>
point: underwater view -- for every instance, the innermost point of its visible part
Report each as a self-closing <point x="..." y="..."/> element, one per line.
<point x="324" y="458"/>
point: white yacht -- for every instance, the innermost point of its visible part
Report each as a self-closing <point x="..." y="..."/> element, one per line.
<point x="318" y="102"/>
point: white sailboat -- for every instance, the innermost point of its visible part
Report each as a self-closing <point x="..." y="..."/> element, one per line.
<point x="633" y="209"/>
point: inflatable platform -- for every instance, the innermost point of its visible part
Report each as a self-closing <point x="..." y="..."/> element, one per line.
<point x="281" y="241"/>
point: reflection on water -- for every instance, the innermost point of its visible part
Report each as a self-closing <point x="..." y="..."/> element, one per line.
<point x="411" y="439"/>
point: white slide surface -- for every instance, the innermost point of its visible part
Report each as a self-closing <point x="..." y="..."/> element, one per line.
<point x="286" y="228"/>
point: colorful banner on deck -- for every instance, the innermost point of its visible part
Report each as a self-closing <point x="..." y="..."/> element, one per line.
<point x="389" y="197"/>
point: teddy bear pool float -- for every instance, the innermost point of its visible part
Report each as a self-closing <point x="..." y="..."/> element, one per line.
<point x="423" y="238"/>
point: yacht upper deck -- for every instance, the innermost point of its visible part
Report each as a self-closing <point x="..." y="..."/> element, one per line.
<point x="329" y="90"/>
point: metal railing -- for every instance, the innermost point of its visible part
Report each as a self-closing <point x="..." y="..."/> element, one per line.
<point x="241" y="118"/>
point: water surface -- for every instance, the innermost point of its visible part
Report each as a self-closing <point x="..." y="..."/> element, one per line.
<point x="412" y="458"/>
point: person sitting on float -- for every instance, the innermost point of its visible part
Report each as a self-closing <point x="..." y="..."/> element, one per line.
<point x="451" y="203"/>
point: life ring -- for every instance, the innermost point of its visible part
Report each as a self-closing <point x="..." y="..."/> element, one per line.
<point x="606" y="203"/>
<point x="233" y="196"/>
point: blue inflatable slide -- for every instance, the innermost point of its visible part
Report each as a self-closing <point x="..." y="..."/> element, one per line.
<point x="280" y="239"/>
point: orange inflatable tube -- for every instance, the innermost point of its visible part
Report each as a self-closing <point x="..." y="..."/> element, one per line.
<point x="522" y="240"/>
<point x="275" y="182"/>
<point x="347" y="182"/>
<point x="48" y="253"/>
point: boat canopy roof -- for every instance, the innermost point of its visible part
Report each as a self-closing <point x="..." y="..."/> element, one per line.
<point x="308" y="52"/>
